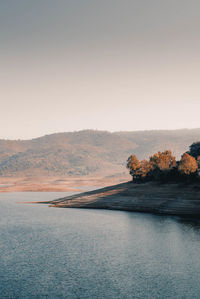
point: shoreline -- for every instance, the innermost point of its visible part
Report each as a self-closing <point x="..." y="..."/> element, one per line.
<point x="155" y="198"/>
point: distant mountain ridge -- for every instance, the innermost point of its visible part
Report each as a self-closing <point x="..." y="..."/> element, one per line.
<point x="88" y="152"/>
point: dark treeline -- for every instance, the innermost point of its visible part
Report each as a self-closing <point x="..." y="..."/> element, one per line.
<point x="163" y="166"/>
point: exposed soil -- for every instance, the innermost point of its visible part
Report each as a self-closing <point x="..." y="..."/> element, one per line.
<point x="167" y="199"/>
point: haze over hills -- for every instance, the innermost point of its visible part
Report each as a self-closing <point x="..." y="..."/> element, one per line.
<point x="88" y="152"/>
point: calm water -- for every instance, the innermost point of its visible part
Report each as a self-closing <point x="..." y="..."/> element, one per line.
<point x="72" y="253"/>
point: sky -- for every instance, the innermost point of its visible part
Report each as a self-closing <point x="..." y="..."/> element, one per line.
<point x="68" y="65"/>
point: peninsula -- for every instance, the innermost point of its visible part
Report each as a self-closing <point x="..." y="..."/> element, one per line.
<point x="150" y="197"/>
<point x="160" y="185"/>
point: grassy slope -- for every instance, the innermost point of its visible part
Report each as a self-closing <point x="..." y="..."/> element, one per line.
<point x="87" y="153"/>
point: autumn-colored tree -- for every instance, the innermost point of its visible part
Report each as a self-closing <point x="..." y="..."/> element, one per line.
<point x="145" y="168"/>
<point x="188" y="164"/>
<point x="163" y="160"/>
<point x="133" y="164"/>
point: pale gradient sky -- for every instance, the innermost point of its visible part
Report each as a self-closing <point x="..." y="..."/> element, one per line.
<point x="98" y="64"/>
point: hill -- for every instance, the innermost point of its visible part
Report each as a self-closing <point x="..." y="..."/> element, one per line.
<point x="88" y="152"/>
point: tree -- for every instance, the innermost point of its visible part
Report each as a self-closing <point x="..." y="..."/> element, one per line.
<point x="195" y="149"/>
<point x="187" y="165"/>
<point x="133" y="164"/>
<point x="163" y="160"/>
<point x="198" y="165"/>
<point x="145" y="168"/>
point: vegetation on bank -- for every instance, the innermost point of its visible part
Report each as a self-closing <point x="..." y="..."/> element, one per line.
<point x="163" y="166"/>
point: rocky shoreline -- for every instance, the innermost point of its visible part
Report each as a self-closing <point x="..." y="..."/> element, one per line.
<point x="164" y="199"/>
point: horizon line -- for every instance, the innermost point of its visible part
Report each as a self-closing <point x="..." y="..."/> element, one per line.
<point x="97" y="130"/>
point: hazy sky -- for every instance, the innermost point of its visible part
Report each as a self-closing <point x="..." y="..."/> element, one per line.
<point x="101" y="64"/>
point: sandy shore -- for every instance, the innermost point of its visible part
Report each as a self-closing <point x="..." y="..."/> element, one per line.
<point x="168" y="199"/>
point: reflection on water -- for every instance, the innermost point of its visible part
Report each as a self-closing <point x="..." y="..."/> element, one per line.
<point x="73" y="253"/>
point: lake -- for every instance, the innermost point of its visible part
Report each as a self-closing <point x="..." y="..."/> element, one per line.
<point x="73" y="253"/>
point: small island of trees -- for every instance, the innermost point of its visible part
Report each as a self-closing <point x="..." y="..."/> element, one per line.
<point x="162" y="166"/>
